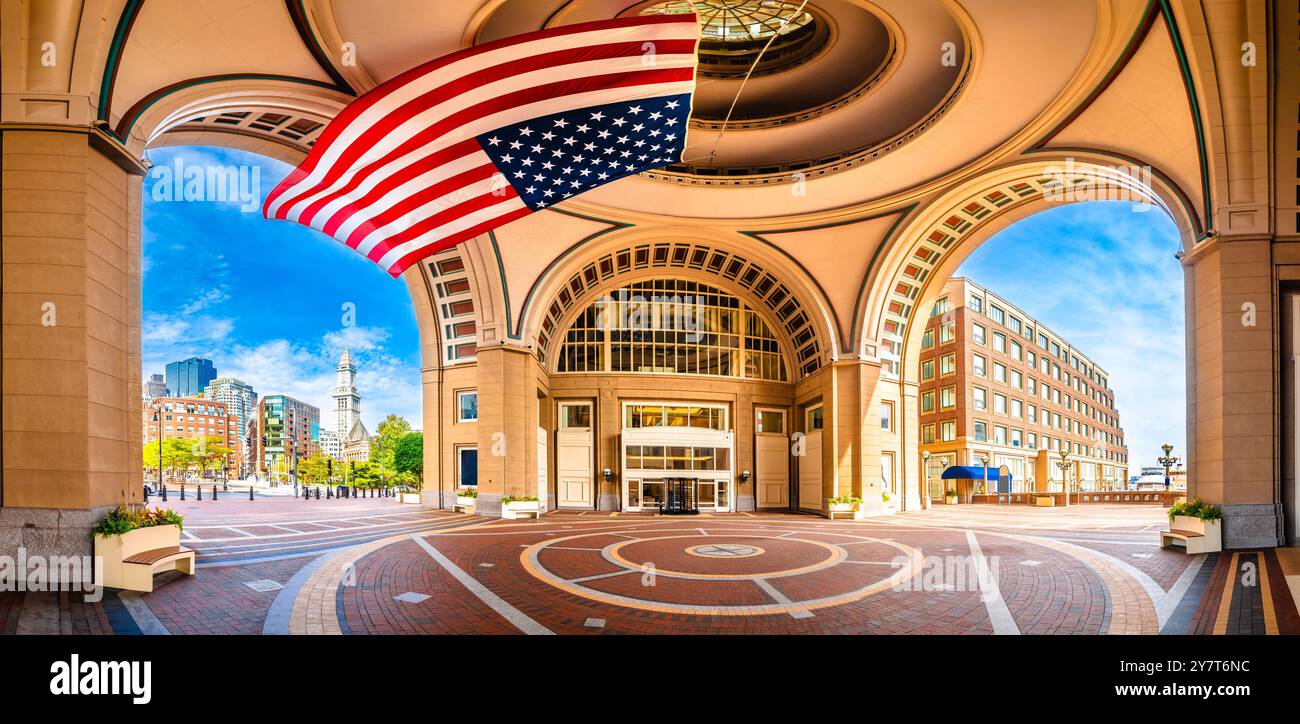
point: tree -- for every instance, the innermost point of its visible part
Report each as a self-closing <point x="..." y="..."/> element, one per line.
<point x="408" y="455"/>
<point x="392" y="429"/>
<point x="367" y="475"/>
<point x="208" y="452"/>
<point x="314" y="469"/>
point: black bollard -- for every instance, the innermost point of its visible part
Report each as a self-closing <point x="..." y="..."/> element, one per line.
<point x="182" y="491"/>
<point x="164" y="493"/>
<point x="214" y="491"/>
<point x="250" y="492"/>
<point x="198" y="489"/>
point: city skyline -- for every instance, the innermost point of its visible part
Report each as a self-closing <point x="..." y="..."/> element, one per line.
<point x="272" y="304"/>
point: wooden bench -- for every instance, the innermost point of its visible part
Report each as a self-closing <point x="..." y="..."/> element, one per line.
<point x="1191" y="540"/>
<point x="138" y="570"/>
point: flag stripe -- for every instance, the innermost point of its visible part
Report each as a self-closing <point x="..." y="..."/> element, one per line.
<point x="458" y="110"/>
<point x="373" y="107"/>
<point x="418" y="163"/>
<point x="505" y="110"/>
<point x="428" y="209"/>
<point x="419" y="253"/>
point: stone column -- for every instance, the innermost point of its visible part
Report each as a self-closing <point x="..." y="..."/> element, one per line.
<point x="507" y="424"/>
<point x="1232" y="452"/>
<point x="71" y="344"/>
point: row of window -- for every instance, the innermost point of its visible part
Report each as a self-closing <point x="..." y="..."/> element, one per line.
<point x="1013" y="378"/>
<point x="947" y="432"/>
<point x="1016" y="408"/>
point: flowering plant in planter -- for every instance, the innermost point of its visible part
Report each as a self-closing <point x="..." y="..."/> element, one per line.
<point x="1195" y="508"/>
<point x="123" y="520"/>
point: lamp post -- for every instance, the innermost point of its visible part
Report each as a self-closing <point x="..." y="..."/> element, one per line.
<point x="1064" y="465"/>
<point x="984" y="473"/>
<point x="1167" y="461"/>
<point x="157" y="416"/>
<point x="925" y="492"/>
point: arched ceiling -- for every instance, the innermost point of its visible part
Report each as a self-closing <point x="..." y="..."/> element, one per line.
<point x="809" y="181"/>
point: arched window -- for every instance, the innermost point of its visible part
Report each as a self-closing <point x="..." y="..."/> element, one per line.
<point x="673" y="326"/>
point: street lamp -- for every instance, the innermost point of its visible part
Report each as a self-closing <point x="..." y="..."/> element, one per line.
<point x="157" y="417"/>
<point x="925" y="492"/>
<point x="1064" y="465"/>
<point x="1167" y="461"/>
<point x="984" y="473"/>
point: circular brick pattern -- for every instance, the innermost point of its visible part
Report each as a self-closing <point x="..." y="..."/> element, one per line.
<point x="680" y="556"/>
<point x="757" y="574"/>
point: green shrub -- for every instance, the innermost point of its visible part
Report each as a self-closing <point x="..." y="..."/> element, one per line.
<point x="124" y="520"/>
<point x="467" y="492"/>
<point x="519" y="499"/>
<point x="844" y="499"/>
<point x="1196" y="508"/>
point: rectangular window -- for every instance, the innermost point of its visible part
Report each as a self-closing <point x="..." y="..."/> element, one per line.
<point x="1016" y="351"/>
<point x="948" y="364"/>
<point x="927" y="339"/>
<point x="948" y="397"/>
<point x="1014" y="324"/>
<point x="1017" y="408"/>
<point x="1017" y="437"/>
<point x="999" y="342"/>
<point x="466" y="406"/>
<point x="886" y="416"/>
<point x="996" y="314"/>
<point x="981" y="431"/>
<point x="1015" y="379"/>
<point x="977" y="333"/>
<point x="980" y="397"/>
<point x="1000" y="404"/>
<point x="927" y="434"/>
<point x="1000" y="435"/>
<point x="816" y="418"/>
<point x="948" y="431"/>
<point x="999" y="372"/>
<point x="927" y="401"/>
<point x="976" y="304"/>
<point x="977" y="365"/>
<point x="927" y="369"/>
<point x="947" y="333"/>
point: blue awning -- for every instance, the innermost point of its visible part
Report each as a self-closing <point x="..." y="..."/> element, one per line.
<point x="968" y="472"/>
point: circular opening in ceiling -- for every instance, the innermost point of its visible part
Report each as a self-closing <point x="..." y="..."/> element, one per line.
<point x="734" y="33"/>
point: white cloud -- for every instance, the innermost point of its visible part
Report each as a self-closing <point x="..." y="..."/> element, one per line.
<point x="304" y="371"/>
<point x="1105" y="280"/>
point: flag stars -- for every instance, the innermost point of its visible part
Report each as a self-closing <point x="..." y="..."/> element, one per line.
<point x="562" y="156"/>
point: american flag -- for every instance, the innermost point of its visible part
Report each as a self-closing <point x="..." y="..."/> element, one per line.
<point x="469" y="142"/>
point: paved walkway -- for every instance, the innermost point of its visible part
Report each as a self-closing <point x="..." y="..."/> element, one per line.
<point x="373" y="566"/>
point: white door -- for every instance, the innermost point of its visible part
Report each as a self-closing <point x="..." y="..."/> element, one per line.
<point x="574" y="466"/>
<point x="810" y="462"/>
<point x="771" y="459"/>
<point x="543" y="479"/>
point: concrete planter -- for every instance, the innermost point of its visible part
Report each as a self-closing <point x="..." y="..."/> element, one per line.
<point x="113" y="550"/>
<point x="1045" y="501"/>
<point x="465" y="503"/>
<point x="410" y="498"/>
<point x="516" y="509"/>
<point x="1207" y="534"/>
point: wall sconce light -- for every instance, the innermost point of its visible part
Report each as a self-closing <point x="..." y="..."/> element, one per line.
<point x="744" y="477"/>
<point x="609" y="474"/>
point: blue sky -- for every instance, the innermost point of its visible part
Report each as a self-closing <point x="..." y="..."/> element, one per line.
<point x="1103" y="276"/>
<point x="265" y="300"/>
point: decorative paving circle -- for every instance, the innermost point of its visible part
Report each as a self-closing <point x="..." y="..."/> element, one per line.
<point x="725" y="550"/>
<point x="780" y="558"/>
<point x="722" y="572"/>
